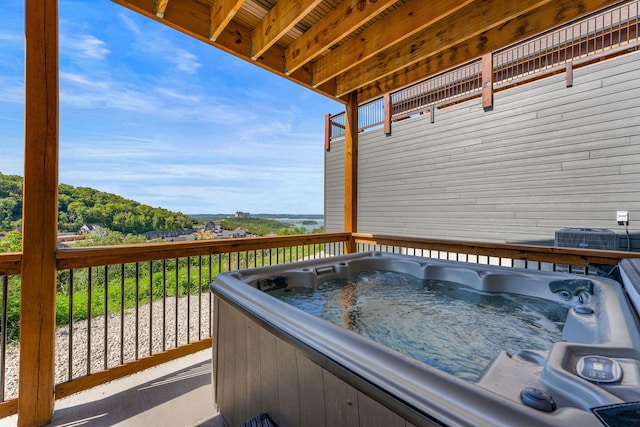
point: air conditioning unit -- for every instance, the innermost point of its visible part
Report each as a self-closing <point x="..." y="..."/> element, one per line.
<point x="587" y="238"/>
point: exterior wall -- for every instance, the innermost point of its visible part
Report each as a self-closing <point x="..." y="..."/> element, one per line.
<point x="544" y="158"/>
<point x="334" y="187"/>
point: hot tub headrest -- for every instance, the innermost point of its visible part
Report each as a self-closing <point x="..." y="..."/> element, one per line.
<point x="572" y="286"/>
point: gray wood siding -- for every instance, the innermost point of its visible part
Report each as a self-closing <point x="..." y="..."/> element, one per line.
<point x="334" y="187"/>
<point x="255" y="372"/>
<point x="544" y="158"/>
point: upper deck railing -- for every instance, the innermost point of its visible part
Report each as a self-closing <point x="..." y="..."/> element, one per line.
<point x="607" y="33"/>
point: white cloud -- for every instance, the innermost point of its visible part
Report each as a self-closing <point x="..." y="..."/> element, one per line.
<point x="11" y="90"/>
<point x="12" y="37"/>
<point x="82" y="80"/>
<point x="184" y="60"/>
<point x="130" y="24"/>
<point x="84" y="46"/>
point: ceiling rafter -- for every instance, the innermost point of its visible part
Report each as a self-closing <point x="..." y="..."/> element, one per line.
<point x="448" y="31"/>
<point x="161" y="6"/>
<point x="363" y="47"/>
<point x="548" y="16"/>
<point x="222" y="11"/>
<point x="400" y="24"/>
<point x="340" y="22"/>
<point x="192" y="18"/>
<point x="284" y="16"/>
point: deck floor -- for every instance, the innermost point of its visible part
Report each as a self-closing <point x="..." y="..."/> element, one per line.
<point x="177" y="393"/>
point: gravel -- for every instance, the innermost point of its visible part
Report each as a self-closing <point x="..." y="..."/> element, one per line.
<point x="193" y="324"/>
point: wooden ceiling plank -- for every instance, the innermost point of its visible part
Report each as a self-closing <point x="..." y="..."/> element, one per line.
<point x="400" y="24"/>
<point x="340" y="22"/>
<point x="538" y="21"/>
<point x="222" y="12"/>
<point x="161" y="6"/>
<point x="445" y="33"/>
<point x="278" y="21"/>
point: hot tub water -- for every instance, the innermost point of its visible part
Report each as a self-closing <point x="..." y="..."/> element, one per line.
<point x="447" y="325"/>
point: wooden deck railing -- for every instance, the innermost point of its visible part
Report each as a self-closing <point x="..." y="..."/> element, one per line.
<point x="168" y="284"/>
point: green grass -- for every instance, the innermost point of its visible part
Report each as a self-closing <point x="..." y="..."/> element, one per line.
<point x="143" y="290"/>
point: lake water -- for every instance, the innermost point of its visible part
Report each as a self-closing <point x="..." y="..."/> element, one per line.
<point x="298" y="222"/>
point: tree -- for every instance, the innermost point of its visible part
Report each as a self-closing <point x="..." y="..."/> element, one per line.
<point x="111" y="238"/>
<point x="12" y="242"/>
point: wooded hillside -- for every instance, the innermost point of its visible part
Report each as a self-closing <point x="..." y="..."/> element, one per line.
<point x="82" y="205"/>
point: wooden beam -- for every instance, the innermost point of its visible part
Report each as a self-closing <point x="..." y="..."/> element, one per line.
<point x="39" y="215"/>
<point x="398" y="25"/>
<point x="470" y="21"/>
<point x="161" y="6"/>
<point x="340" y="22"/>
<point x="519" y="28"/>
<point x="221" y="13"/>
<point x="284" y="16"/>
<point x="351" y="170"/>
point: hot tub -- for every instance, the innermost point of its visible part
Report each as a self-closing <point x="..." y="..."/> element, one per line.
<point x="269" y="356"/>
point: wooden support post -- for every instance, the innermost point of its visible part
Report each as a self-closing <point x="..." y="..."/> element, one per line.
<point x="327" y="132"/>
<point x="569" y="74"/>
<point x="351" y="170"/>
<point x="387" y="113"/>
<point x="39" y="215"/>
<point x="487" y="80"/>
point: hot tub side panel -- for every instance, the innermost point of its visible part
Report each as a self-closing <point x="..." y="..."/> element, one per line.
<point x="255" y="371"/>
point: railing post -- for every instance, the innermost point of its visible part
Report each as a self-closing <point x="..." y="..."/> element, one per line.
<point x="387" y="113"/>
<point x="39" y="215"/>
<point x="327" y="132"/>
<point x="569" y="74"/>
<point x="487" y="80"/>
<point x="351" y="170"/>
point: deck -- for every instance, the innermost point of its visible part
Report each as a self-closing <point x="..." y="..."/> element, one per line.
<point x="176" y="393"/>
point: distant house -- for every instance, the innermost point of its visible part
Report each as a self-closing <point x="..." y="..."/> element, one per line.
<point x="240" y="214"/>
<point x="93" y="228"/>
<point x="214" y="226"/>
<point x="233" y="234"/>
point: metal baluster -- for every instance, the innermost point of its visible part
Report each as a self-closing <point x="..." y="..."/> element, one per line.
<point x="106" y="317"/>
<point x="122" y="270"/>
<point x="164" y="305"/>
<point x="188" y="300"/>
<point x="89" y="304"/>
<point x="137" y="310"/>
<point x="70" y="376"/>
<point x="3" y="347"/>
<point x="150" y="308"/>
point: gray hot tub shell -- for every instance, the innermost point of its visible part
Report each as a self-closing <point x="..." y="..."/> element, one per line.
<point x="271" y="357"/>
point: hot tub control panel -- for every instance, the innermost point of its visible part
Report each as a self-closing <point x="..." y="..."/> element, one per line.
<point x="599" y="369"/>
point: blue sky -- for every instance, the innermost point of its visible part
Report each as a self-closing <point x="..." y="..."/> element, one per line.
<point x="157" y="117"/>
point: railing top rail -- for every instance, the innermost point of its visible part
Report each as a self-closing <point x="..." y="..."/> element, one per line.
<point x="552" y="254"/>
<point x="10" y="263"/>
<point x="107" y="255"/>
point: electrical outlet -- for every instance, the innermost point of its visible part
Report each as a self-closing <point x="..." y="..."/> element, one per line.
<point x="622" y="217"/>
